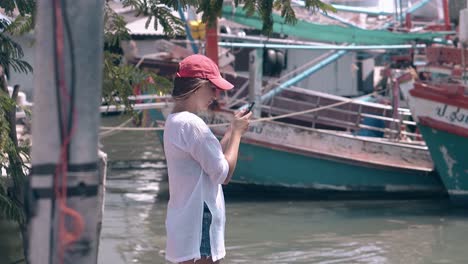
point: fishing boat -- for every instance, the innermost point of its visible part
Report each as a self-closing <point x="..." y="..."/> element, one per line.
<point x="293" y="153"/>
<point x="440" y="106"/>
<point x="314" y="141"/>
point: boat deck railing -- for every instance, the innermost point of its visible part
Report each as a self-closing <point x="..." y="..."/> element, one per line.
<point x="395" y="128"/>
<point x="361" y="118"/>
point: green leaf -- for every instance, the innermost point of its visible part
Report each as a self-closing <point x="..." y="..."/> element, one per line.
<point x="9" y="210"/>
<point x="21" y="25"/>
<point x="264" y="9"/>
<point x="316" y="5"/>
<point x="120" y="80"/>
<point x="115" y="29"/>
<point x="23" y="6"/>
<point x="11" y="54"/>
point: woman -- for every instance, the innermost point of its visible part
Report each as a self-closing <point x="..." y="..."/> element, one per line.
<point x="198" y="164"/>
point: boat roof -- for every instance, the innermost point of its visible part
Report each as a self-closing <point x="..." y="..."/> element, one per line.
<point x="331" y="32"/>
<point x="345" y="26"/>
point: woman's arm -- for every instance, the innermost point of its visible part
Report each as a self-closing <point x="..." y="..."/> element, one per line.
<point x="225" y="140"/>
<point x="238" y="127"/>
<point x="231" y="154"/>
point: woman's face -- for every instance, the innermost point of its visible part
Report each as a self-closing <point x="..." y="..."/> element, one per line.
<point x="205" y="96"/>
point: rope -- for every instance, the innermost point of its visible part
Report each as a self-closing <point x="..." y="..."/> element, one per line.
<point x="111" y="131"/>
<point x="301" y="68"/>
<point x="254" y="120"/>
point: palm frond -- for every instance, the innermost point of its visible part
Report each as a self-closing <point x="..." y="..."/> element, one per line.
<point x="264" y="8"/>
<point x="11" y="54"/>
<point x="159" y="13"/>
<point x="8" y="5"/>
<point x="287" y="12"/>
<point x="114" y="27"/>
<point x="317" y="5"/>
<point x="119" y="81"/>
<point x="172" y="25"/>
<point x="211" y="10"/>
<point x="11" y="162"/>
<point x="21" y="25"/>
<point x="9" y="210"/>
<point x="24" y="7"/>
<point x="176" y="3"/>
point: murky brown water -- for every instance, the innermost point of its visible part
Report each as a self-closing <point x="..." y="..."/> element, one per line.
<point x="273" y="231"/>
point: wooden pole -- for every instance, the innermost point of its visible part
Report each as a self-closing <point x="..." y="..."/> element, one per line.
<point x="212" y="42"/>
<point x="445" y="5"/>
<point x="255" y="79"/>
<point x="81" y="23"/>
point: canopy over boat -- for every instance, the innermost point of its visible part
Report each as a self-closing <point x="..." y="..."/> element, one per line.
<point x="330" y="33"/>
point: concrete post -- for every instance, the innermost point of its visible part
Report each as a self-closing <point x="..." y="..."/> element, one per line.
<point x="81" y="23"/>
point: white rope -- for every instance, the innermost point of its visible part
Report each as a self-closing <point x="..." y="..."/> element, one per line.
<point x="115" y="129"/>
<point x="254" y="120"/>
<point x="301" y="68"/>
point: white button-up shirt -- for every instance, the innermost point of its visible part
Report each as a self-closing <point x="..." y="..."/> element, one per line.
<point x="197" y="168"/>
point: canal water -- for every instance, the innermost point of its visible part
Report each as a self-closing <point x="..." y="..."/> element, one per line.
<point x="268" y="230"/>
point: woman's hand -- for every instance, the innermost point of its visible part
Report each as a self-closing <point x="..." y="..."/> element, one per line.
<point x="240" y="123"/>
<point x="239" y="126"/>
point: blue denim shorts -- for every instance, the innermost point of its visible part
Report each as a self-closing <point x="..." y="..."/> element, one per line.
<point x="205" y="246"/>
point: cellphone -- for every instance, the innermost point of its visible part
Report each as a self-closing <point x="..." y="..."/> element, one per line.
<point x="251" y="105"/>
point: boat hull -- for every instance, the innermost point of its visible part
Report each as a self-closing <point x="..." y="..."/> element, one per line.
<point x="442" y="116"/>
<point x="270" y="167"/>
<point x="276" y="156"/>
<point x="449" y="153"/>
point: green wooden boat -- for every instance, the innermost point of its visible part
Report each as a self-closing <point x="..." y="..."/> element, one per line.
<point x="293" y="155"/>
<point x="442" y="113"/>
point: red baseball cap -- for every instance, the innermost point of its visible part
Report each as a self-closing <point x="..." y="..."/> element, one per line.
<point x="200" y="66"/>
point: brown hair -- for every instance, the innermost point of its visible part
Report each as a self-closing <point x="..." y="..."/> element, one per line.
<point x="184" y="87"/>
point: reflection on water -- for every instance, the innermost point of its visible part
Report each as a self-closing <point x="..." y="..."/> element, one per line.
<point x="264" y="230"/>
<point x="134" y="217"/>
<point x="272" y="231"/>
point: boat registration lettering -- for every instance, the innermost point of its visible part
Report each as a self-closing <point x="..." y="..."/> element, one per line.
<point x="455" y="115"/>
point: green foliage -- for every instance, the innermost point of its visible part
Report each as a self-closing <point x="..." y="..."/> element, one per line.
<point x="23" y="6"/>
<point x="265" y="9"/>
<point x="12" y="156"/>
<point x="159" y="13"/>
<point x="119" y="82"/>
<point x="286" y="11"/>
<point x="24" y="22"/>
<point x="6" y="105"/>
<point x="12" y="164"/>
<point x="9" y="209"/>
<point x="21" y="25"/>
<point x="114" y="27"/>
<point x="11" y="52"/>
<point x="211" y="10"/>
